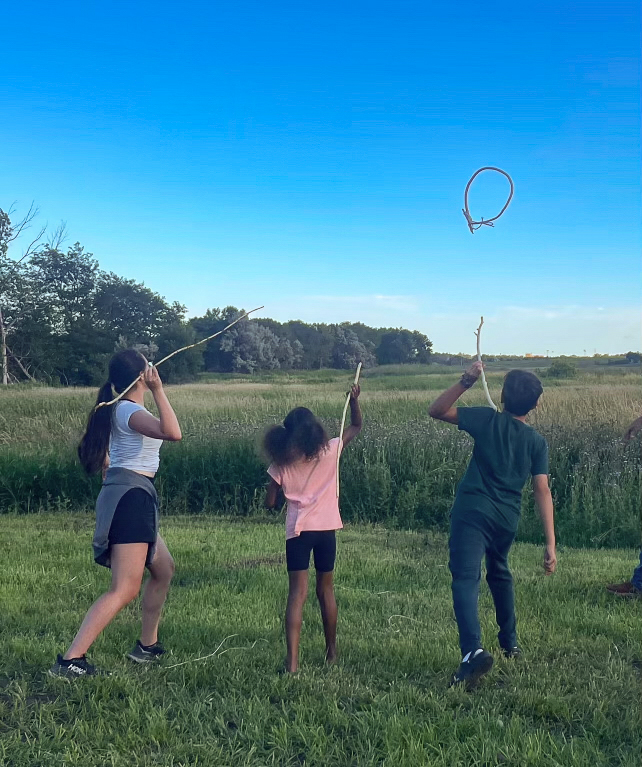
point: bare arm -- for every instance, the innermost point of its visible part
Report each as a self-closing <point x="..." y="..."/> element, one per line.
<point x="634" y="429"/>
<point x="442" y="408"/>
<point x="106" y="463"/>
<point x="272" y="494"/>
<point x="544" y="501"/>
<point x="356" y="420"/>
<point x="166" y="427"/>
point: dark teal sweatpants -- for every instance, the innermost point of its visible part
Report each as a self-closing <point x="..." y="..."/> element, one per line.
<point x="468" y="545"/>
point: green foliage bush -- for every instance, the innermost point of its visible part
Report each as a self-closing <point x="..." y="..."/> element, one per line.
<point x="561" y="369"/>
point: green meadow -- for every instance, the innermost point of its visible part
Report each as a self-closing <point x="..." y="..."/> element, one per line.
<point x="402" y="471"/>
<point x="218" y="698"/>
<point x="574" y="699"/>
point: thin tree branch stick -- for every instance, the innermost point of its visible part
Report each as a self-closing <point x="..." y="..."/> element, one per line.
<point x="183" y="349"/>
<point x="216" y="652"/>
<point x="343" y="423"/>
<point x="20" y="365"/>
<point x="203" y="657"/>
<point x="479" y="359"/>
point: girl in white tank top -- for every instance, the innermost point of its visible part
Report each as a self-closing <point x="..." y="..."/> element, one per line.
<point x="123" y="441"/>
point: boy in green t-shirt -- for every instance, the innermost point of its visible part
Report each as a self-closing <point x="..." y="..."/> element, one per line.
<point x="487" y="506"/>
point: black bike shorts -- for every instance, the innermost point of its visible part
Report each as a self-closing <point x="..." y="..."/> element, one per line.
<point x="322" y="542"/>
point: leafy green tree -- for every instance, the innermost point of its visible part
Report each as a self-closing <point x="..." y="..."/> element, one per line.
<point x="400" y="346"/>
<point x="348" y="351"/>
<point x="18" y="289"/>
<point x="562" y="369"/>
<point x="186" y="365"/>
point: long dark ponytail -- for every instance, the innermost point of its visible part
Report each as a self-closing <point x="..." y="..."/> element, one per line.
<point x="301" y="436"/>
<point x="124" y="368"/>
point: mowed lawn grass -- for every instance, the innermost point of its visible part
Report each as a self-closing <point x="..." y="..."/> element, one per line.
<point x="574" y="699"/>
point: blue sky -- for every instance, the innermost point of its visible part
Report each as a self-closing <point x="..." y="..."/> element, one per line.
<point x="313" y="158"/>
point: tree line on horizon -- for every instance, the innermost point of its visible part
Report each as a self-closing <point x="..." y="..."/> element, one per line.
<point x="62" y="317"/>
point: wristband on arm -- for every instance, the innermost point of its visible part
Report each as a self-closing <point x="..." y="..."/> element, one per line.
<point x="467" y="380"/>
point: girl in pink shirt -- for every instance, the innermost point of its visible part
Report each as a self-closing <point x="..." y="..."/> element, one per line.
<point x="304" y="467"/>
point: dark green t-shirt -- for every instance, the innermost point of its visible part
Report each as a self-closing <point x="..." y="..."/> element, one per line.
<point x="506" y="453"/>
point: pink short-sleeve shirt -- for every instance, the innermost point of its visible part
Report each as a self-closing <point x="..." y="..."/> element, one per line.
<point x="310" y="488"/>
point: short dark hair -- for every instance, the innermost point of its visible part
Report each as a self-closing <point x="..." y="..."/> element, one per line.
<point x="521" y="391"/>
<point x="301" y="436"/>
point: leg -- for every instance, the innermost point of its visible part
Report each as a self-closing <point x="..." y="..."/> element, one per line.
<point x="500" y="582"/>
<point x="161" y="571"/>
<point x="294" y="616"/>
<point x="325" y="554"/>
<point x="636" y="580"/>
<point x="127" y="567"/>
<point x="297" y="555"/>
<point x="328" y="605"/>
<point x="467" y="547"/>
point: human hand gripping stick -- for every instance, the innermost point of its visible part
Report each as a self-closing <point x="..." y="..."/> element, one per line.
<point x="442" y="408"/>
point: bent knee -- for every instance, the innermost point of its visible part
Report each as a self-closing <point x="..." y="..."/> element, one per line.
<point x="498" y="574"/>
<point x="126" y="593"/>
<point x="462" y="569"/>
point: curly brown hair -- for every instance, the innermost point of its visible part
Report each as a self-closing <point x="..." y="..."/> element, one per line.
<point x="302" y="435"/>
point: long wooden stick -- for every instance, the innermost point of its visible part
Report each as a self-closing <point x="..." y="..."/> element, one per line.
<point x="183" y="349"/>
<point x="479" y="358"/>
<point x="343" y="423"/>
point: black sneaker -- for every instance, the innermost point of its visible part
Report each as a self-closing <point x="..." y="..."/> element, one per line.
<point x="512" y="652"/>
<point x="146" y="654"/>
<point x="473" y="669"/>
<point x="74" y="668"/>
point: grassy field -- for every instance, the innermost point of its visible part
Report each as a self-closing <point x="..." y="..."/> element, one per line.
<point x="402" y="471"/>
<point x="574" y="699"/>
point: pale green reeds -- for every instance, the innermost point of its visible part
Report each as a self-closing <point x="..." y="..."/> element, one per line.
<point x="402" y="470"/>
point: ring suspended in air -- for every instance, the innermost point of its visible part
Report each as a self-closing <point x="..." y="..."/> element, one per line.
<point x="474" y="225"/>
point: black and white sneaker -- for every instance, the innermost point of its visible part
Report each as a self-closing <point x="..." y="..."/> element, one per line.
<point x="146" y="653"/>
<point x="472" y="668"/>
<point x="512" y="652"/>
<point x="74" y="668"/>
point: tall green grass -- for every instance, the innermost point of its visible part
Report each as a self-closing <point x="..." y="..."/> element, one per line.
<point x="402" y="470"/>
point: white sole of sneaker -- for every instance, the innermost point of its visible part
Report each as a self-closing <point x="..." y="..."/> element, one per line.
<point x="142" y="660"/>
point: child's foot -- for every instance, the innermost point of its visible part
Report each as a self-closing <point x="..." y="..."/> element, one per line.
<point x="626" y="589"/>
<point x="512" y="652"/>
<point x="290" y="666"/>
<point x="472" y="668"/>
<point x="74" y="668"/>
<point x="146" y="653"/>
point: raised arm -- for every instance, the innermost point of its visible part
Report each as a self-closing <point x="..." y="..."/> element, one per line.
<point x="544" y="501"/>
<point x="356" y="420"/>
<point x="442" y="408"/>
<point x="166" y="427"/>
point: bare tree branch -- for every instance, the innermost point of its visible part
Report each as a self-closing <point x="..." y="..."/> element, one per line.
<point x="20" y="365"/>
<point x="26" y="222"/>
<point x="58" y="236"/>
